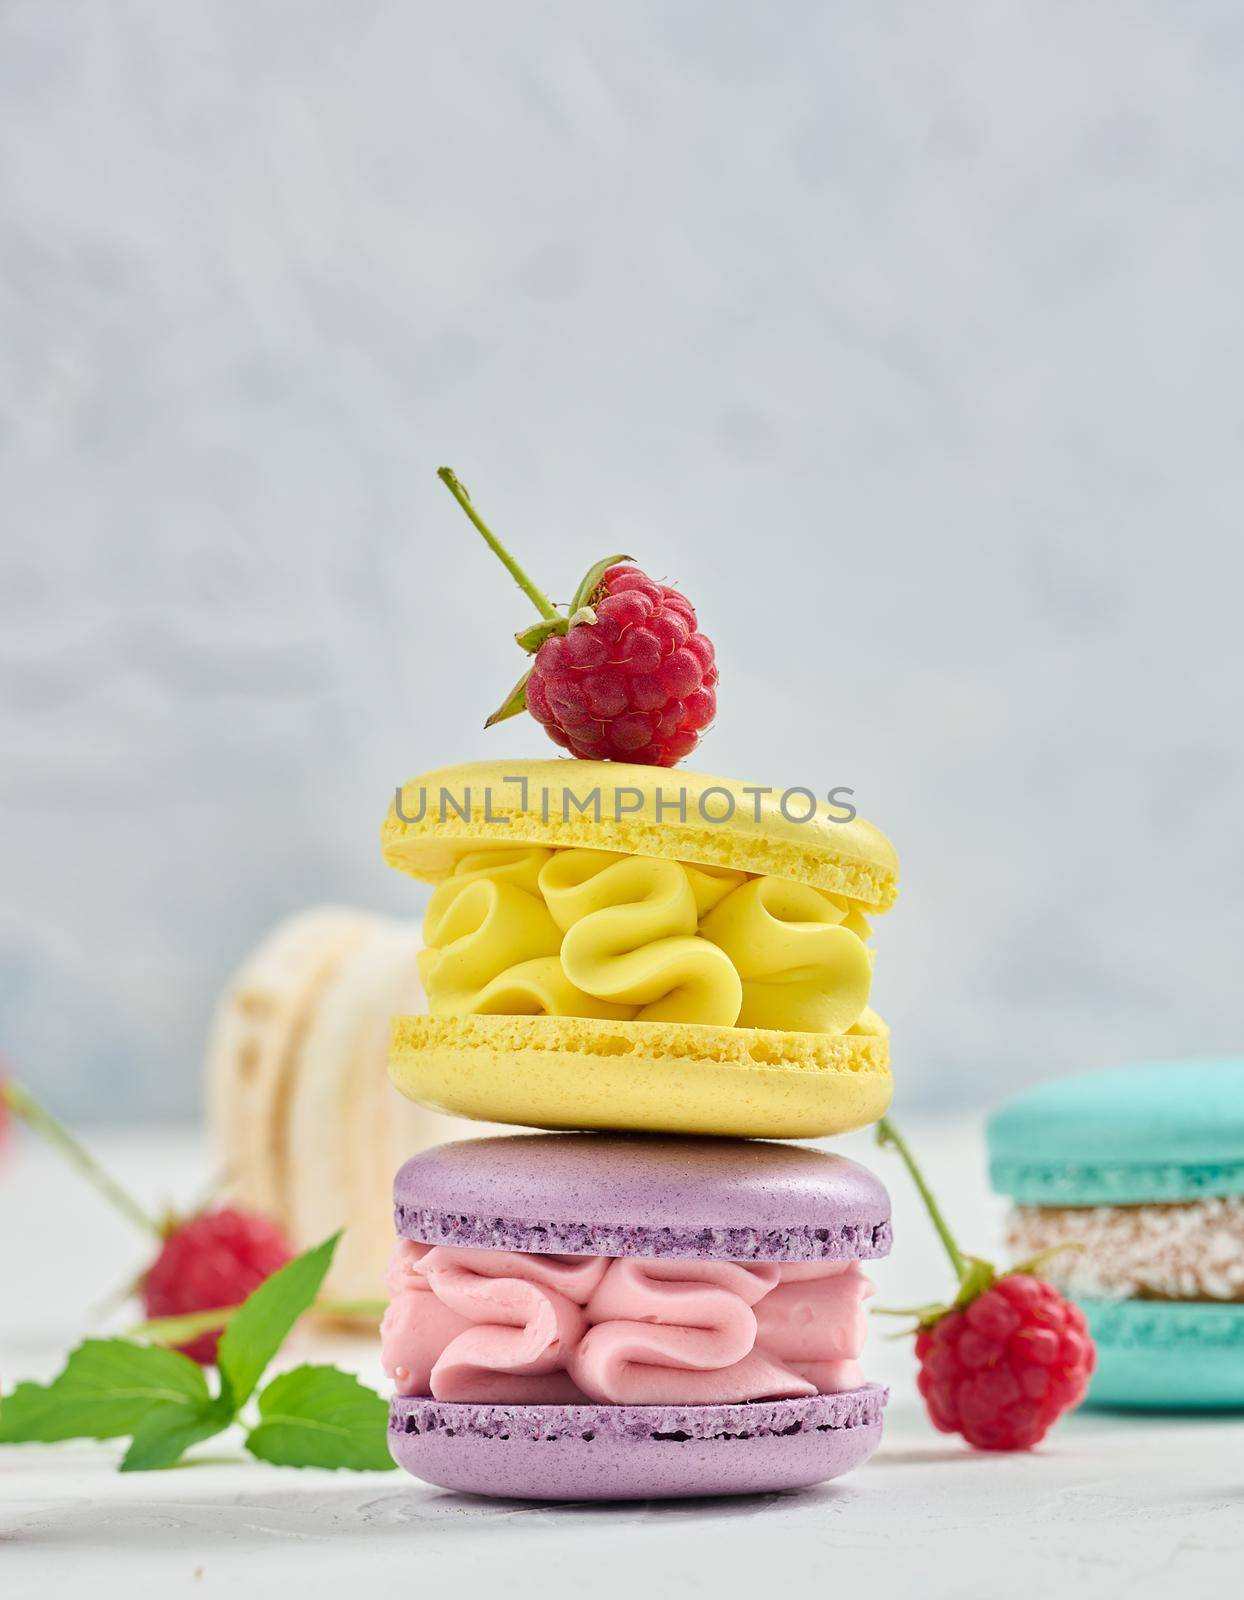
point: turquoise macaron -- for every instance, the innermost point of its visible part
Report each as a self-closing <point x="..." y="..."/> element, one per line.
<point x="1143" y="1166"/>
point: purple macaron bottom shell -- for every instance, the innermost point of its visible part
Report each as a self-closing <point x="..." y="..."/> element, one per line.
<point x="588" y="1452"/>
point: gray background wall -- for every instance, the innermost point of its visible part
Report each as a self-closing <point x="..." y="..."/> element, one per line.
<point x="907" y="337"/>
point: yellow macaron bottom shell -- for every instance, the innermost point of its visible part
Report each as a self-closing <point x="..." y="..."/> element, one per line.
<point x="573" y="932"/>
<point x="674" y="1077"/>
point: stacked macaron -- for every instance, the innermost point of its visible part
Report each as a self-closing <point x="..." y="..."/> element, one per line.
<point x="1134" y="1180"/>
<point x="662" y="1305"/>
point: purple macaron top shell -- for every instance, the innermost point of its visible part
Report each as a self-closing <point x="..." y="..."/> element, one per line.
<point x="605" y="1194"/>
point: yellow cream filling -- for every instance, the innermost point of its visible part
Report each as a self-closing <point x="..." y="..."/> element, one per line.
<point x="531" y="931"/>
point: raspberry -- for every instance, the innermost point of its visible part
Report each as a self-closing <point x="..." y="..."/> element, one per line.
<point x="206" y="1262"/>
<point x="1002" y="1364"/>
<point x="636" y="684"/>
<point x="212" y="1260"/>
<point x="621" y="672"/>
<point x="1003" y="1369"/>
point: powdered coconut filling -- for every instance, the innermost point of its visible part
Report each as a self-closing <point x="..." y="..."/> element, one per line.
<point x="1173" y="1251"/>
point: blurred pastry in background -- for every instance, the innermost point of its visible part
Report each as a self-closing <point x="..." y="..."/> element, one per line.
<point x="305" y="1124"/>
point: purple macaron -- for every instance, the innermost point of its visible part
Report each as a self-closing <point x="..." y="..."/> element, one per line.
<point x="544" y="1375"/>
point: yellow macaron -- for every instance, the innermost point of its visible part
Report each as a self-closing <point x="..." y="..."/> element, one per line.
<point x="614" y="946"/>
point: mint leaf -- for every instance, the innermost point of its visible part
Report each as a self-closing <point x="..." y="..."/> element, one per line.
<point x="167" y="1431"/>
<point x="257" y="1331"/>
<point x="322" y="1417"/>
<point x="159" y="1397"/>
<point x="106" y="1389"/>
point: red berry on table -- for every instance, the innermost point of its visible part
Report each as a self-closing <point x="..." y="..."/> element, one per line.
<point x="1003" y="1370"/>
<point x="1004" y="1362"/>
<point x="622" y="673"/>
<point x="206" y="1262"/>
<point x="211" y="1261"/>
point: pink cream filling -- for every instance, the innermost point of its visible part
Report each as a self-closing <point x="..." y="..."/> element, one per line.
<point x="496" y="1326"/>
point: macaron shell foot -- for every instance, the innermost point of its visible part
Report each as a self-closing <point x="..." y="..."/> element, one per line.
<point x="1167" y="1355"/>
<point x="635" y="1452"/>
<point x="571" y="1072"/>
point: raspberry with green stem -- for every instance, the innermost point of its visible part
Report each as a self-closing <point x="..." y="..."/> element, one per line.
<point x="207" y="1263"/>
<point x="622" y="673"/>
<point x="1008" y="1356"/>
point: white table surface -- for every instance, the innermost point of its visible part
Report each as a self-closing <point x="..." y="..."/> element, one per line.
<point x="1110" y="1505"/>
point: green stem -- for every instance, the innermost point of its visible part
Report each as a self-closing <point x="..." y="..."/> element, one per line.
<point x="351" y="1308"/>
<point x="906" y="1311"/>
<point x="537" y="597"/>
<point x="24" y="1105"/>
<point x="181" y="1330"/>
<point x="887" y="1133"/>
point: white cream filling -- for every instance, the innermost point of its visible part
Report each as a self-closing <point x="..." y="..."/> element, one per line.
<point x="1192" y="1251"/>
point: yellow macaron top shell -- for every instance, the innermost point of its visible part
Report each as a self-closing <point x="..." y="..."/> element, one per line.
<point x="687" y="817"/>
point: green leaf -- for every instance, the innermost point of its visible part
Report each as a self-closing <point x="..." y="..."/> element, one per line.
<point x="591" y="581"/>
<point x="322" y="1417"/>
<point x="107" y="1388"/>
<point x="530" y="639"/>
<point x="513" y="703"/>
<point x="167" y="1431"/>
<point x="258" y="1330"/>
